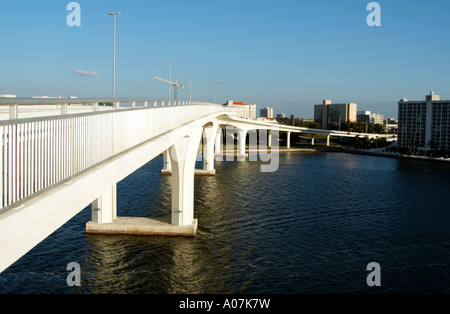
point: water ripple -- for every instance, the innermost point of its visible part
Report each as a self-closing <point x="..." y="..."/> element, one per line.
<point x="310" y="227"/>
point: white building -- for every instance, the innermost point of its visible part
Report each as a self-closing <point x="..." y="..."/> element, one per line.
<point x="424" y="124"/>
<point x="243" y="110"/>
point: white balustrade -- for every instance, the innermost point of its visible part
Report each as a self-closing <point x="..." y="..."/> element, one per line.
<point x="38" y="153"/>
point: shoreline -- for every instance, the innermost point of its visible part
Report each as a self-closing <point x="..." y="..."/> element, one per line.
<point x="394" y="155"/>
<point x="342" y="150"/>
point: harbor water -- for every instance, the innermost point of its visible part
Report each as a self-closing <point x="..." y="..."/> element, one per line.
<point x="312" y="226"/>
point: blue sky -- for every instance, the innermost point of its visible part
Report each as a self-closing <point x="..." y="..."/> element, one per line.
<point x="285" y="54"/>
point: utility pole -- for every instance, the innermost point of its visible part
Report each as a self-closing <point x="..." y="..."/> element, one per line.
<point x="114" y="53"/>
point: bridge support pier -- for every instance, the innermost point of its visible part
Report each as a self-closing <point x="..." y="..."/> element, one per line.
<point x="269" y="139"/>
<point x="328" y="140"/>
<point x="167" y="164"/>
<point x="218" y="143"/>
<point x="288" y="140"/>
<point x="183" y="157"/>
<point x="104" y="208"/>
<point x="242" y="137"/>
<point x="209" y="139"/>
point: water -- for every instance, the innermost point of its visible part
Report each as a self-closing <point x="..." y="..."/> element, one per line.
<point x="311" y="227"/>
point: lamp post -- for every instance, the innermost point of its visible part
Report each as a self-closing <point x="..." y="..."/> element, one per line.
<point x="114" y="53"/>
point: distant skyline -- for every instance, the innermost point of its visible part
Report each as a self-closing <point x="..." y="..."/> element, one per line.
<point x="288" y="55"/>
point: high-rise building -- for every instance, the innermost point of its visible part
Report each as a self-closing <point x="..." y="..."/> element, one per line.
<point x="424" y="125"/>
<point x="330" y="116"/>
<point x="243" y="110"/>
<point x="368" y="117"/>
<point x="266" y="112"/>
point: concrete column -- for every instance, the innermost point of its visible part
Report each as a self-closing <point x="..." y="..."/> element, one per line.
<point x="183" y="156"/>
<point x="167" y="164"/>
<point x="269" y="138"/>
<point x="229" y="142"/>
<point x="252" y="145"/>
<point x="328" y="140"/>
<point x="288" y="143"/>
<point x="104" y="208"/>
<point x="312" y="139"/>
<point x="218" y="144"/>
<point x="209" y="139"/>
<point x="241" y="143"/>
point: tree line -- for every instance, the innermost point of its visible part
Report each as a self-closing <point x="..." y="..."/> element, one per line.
<point x="359" y="127"/>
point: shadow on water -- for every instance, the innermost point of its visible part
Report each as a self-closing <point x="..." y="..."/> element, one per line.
<point x="137" y="264"/>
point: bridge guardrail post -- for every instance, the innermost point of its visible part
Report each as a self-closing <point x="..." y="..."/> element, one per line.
<point x="64" y="109"/>
<point x="13" y="111"/>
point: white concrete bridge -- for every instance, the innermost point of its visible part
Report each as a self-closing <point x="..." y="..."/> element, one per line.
<point x="58" y="156"/>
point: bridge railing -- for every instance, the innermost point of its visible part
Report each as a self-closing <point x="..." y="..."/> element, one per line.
<point x="15" y="108"/>
<point x="37" y="153"/>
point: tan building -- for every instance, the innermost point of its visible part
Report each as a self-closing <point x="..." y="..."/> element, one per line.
<point x="330" y="115"/>
<point x="368" y="117"/>
<point x="266" y="112"/>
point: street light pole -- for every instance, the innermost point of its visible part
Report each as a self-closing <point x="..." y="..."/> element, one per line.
<point x="114" y="53"/>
